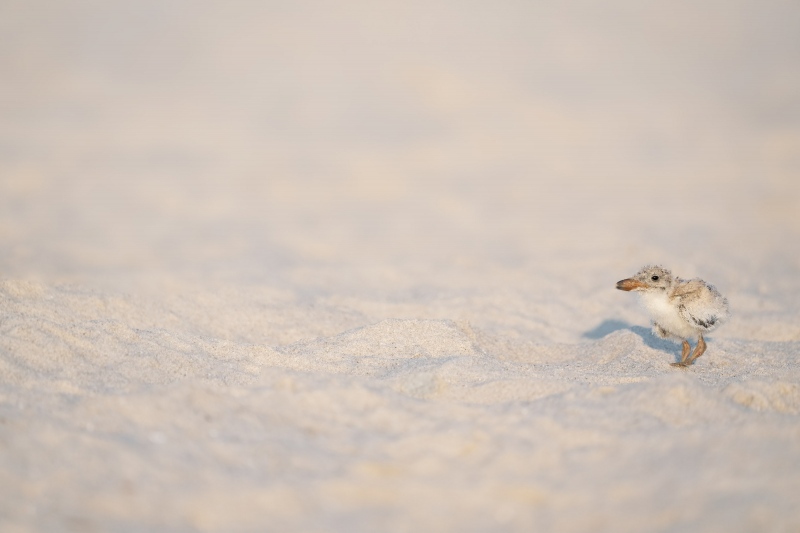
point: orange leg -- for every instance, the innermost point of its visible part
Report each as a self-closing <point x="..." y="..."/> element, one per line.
<point x="684" y="355"/>
<point x="698" y="350"/>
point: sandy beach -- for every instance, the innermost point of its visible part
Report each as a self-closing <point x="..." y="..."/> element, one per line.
<point x="350" y="266"/>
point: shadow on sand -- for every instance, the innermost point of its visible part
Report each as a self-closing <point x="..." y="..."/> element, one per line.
<point x="610" y="326"/>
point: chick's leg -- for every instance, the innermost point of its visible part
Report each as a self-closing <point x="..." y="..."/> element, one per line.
<point x="698" y="350"/>
<point x="684" y="355"/>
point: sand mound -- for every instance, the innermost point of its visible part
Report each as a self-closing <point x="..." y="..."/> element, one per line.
<point x="402" y="421"/>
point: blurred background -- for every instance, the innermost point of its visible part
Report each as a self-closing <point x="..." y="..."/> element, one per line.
<point x="349" y="146"/>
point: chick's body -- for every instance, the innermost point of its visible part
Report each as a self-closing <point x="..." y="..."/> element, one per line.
<point x="680" y="309"/>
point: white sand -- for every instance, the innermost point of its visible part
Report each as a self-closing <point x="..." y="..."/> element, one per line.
<point x="350" y="266"/>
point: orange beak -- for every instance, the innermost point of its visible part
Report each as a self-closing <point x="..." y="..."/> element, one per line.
<point x="630" y="285"/>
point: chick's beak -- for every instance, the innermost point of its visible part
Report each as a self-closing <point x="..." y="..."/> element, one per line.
<point x="630" y="285"/>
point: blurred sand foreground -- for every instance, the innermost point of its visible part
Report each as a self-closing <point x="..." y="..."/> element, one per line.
<point x="350" y="266"/>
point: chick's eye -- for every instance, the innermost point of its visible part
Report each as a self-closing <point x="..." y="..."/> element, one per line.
<point x="654" y="278"/>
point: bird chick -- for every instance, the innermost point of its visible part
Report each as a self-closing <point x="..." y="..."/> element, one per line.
<point x="680" y="309"/>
